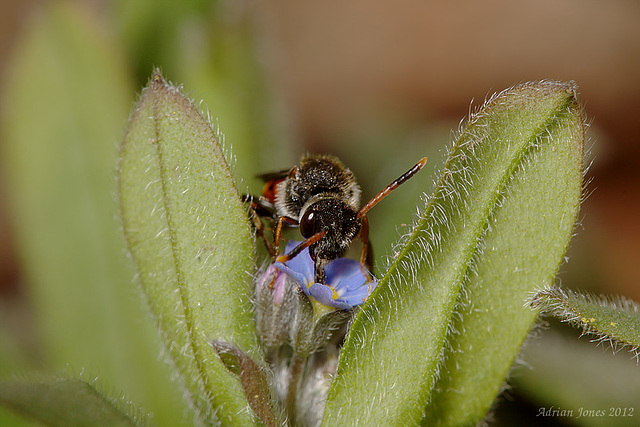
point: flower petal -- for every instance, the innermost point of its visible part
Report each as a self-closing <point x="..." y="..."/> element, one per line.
<point x="345" y="273"/>
<point x="325" y="295"/>
<point x="302" y="263"/>
<point x="295" y="275"/>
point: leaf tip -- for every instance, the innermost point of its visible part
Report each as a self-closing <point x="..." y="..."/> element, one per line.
<point x="157" y="79"/>
<point x="159" y="84"/>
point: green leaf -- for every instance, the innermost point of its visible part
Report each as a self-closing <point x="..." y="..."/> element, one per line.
<point x="191" y="241"/>
<point x="615" y="320"/>
<point x="66" y="98"/>
<point x="526" y="236"/>
<point x="63" y="402"/>
<point x="496" y="226"/>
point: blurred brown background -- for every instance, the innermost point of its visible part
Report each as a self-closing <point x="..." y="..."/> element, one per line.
<point x="344" y="73"/>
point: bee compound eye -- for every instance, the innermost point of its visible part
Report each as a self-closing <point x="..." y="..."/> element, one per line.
<point x="308" y="222"/>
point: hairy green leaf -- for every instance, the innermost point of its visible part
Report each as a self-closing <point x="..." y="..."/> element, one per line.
<point x="615" y="320"/>
<point x="191" y="242"/>
<point x="63" y="402"/>
<point x="525" y="238"/>
<point x="66" y="99"/>
<point x="496" y="226"/>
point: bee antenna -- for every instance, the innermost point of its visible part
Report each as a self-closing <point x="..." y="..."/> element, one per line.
<point x="389" y="188"/>
<point x="302" y="246"/>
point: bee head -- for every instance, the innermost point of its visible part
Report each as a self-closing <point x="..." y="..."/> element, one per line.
<point x="334" y="216"/>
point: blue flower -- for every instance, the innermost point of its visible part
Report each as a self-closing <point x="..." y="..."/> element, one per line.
<point x="347" y="285"/>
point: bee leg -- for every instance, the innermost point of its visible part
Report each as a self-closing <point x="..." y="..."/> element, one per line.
<point x="262" y="206"/>
<point x="277" y="234"/>
<point x="257" y="222"/>
<point x="256" y="212"/>
<point x="366" y="256"/>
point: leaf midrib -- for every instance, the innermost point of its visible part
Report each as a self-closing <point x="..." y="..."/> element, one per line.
<point x="159" y="86"/>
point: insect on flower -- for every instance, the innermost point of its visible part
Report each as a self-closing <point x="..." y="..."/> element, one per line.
<point x="348" y="285"/>
<point x="322" y="198"/>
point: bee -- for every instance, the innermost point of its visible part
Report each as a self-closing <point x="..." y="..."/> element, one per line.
<point x="321" y="197"/>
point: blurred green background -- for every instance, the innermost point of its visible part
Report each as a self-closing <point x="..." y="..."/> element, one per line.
<point x="380" y="84"/>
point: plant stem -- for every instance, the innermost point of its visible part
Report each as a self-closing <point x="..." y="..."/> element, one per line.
<point x="297" y="368"/>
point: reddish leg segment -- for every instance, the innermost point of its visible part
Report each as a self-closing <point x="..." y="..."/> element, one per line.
<point x="278" y="233"/>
